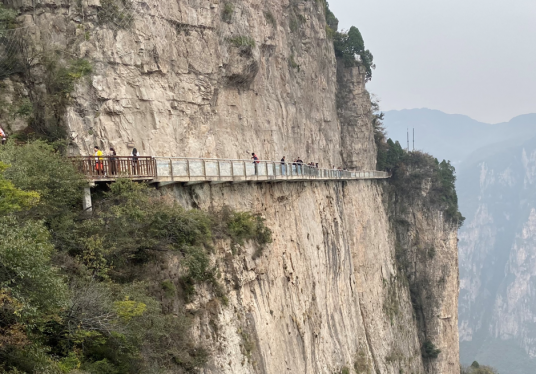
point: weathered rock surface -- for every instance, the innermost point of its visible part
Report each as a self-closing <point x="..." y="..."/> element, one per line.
<point x="326" y="293"/>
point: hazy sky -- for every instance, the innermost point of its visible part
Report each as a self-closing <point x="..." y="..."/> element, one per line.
<point x="473" y="57"/>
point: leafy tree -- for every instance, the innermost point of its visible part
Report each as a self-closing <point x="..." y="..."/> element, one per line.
<point x="40" y="167"/>
<point x="350" y="44"/>
<point x="77" y="290"/>
<point x="13" y="199"/>
<point x="331" y="21"/>
<point x="26" y="271"/>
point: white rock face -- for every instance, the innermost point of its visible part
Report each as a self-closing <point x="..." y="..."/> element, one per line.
<point x="325" y="293"/>
<point x="180" y="81"/>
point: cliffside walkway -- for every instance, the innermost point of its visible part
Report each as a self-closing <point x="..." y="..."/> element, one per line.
<point x="168" y="170"/>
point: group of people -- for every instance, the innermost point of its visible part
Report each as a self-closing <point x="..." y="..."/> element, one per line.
<point x="112" y="164"/>
<point x="296" y="164"/>
<point x="299" y="162"/>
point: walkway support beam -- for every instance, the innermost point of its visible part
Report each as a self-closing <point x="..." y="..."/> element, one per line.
<point x="86" y="201"/>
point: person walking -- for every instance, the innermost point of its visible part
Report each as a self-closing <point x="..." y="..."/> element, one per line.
<point x="99" y="161"/>
<point x="135" y="155"/>
<point x="3" y="136"/>
<point x="283" y="166"/>
<point x="113" y="161"/>
<point x="255" y="161"/>
<point x="299" y="162"/>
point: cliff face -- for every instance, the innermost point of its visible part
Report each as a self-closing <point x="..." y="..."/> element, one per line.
<point x="497" y="253"/>
<point x="184" y="77"/>
<point x="214" y="79"/>
<point x="327" y="292"/>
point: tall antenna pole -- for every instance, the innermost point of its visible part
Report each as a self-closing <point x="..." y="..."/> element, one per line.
<point x="414" y="139"/>
<point x="407" y="133"/>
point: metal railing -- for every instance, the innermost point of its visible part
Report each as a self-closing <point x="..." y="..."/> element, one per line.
<point x="175" y="169"/>
<point x="113" y="167"/>
<point x="183" y="169"/>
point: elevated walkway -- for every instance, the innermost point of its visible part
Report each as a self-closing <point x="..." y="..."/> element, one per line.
<point x="168" y="170"/>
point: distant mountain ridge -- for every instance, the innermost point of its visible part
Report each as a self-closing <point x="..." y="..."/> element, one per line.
<point x="453" y="137"/>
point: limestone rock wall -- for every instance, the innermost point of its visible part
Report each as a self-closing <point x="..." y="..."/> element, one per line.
<point x="184" y="77"/>
<point x="318" y="298"/>
<point x="426" y="247"/>
<point x="327" y="293"/>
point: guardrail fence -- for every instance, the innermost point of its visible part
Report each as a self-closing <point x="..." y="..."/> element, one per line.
<point x="181" y="169"/>
<point x="112" y="167"/>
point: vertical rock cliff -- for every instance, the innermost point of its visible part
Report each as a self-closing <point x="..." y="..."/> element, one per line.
<point x="497" y="254"/>
<point x="207" y="78"/>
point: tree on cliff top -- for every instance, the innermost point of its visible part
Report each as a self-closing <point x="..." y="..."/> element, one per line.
<point x="349" y="45"/>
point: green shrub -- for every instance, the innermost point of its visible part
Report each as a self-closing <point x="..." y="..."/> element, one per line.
<point x="227" y="13"/>
<point x="293" y="24"/>
<point x="243" y="226"/>
<point x="39" y="167"/>
<point x="169" y="288"/>
<point x="429" y="350"/>
<point x="242" y="41"/>
<point x="270" y="18"/>
<point x="331" y="21"/>
<point x="361" y="364"/>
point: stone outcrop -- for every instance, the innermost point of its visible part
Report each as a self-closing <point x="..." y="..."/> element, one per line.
<point x="207" y="78"/>
<point x="354" y="111"/>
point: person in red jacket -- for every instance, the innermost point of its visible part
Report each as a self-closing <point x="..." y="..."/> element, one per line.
<point x="3" y="135"/>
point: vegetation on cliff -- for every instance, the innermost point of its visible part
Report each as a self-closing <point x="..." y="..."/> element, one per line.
<point x="349" y="45"/>
<point x="79" y="291"/>
<point x="416" y="174"/>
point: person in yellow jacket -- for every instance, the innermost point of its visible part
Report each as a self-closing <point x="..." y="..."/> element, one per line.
<point x="99" y="161"/>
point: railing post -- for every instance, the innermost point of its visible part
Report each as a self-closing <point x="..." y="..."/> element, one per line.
<point x="205" y="169"/>
<point x="232" y="170"/>
<point x="245" y="171"/>
<point x="171" y="170"/>
<point x="219" y="173"/>
<point x="188" y="169"/>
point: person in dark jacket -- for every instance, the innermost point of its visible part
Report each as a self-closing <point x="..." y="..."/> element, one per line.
<point x="112" y="156"/>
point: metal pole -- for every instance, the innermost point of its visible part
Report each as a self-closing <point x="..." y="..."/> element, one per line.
<point x="188" y="169"/>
